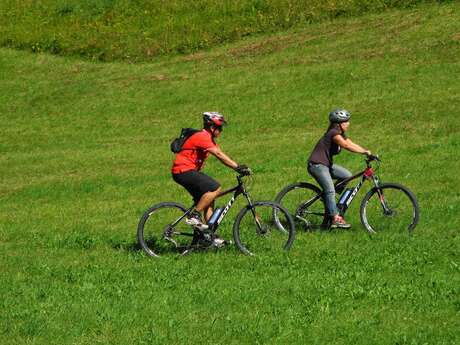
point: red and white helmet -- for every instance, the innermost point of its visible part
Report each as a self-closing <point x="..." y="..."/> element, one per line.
<point x="213" y="118"/>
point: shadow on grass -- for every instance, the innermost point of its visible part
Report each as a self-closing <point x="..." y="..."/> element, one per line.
<point x="181" y="250"/>
<point x="127" y="247"/>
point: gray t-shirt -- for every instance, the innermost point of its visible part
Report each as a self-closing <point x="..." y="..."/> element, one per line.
<point x="326" y="148"/>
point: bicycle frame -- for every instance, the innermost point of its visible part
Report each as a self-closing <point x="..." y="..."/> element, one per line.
<point x="237" y="190"/>
<point x="366" y="174"/>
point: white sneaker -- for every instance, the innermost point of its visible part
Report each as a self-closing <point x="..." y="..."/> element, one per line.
<point x="197" y="223"/>
<point x="219" y="242"/>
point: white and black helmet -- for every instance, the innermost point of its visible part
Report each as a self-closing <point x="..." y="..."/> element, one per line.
<point x="339" y="115"/>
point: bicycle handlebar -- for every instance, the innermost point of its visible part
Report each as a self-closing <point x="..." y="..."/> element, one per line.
<point x="245" y="172"/>
<point x="371" y="158"/>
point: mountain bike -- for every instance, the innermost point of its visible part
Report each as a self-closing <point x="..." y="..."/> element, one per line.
<point x="162" y="227"/>
<point x="386" y="206"/>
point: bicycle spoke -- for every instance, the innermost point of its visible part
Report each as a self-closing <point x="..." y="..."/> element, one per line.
<point x="304" y="206"/>
<point x="259" y="234"/>
<point x="159" y="232"/>
<point x="390" y="208"/>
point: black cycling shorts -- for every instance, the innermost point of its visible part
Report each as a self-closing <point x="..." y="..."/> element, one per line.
<point x="196" y="183"/>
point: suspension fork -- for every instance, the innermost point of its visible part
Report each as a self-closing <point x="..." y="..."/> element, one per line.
<point x="376" y="181"/>
<point x="253" y="211"/>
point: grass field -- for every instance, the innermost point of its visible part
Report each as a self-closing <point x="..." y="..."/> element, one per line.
<point x="84" y="150"/>
<point x="133" y="31"/>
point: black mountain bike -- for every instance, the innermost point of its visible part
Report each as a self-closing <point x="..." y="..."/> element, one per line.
<point x="387" y="206"/>
<point x="163" y="226"/>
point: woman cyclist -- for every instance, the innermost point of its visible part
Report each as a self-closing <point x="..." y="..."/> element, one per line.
<point x="321" y="166"/>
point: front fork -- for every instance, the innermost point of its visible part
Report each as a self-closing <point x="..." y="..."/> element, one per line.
<point x="386" y="209"/>
<point x="253" y="211"/>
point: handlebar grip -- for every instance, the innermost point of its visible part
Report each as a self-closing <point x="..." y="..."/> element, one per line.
<point x="245" y="172"/>
<point x="371" y="158"/>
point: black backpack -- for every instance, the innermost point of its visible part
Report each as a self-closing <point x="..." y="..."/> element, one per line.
<point x="185" y="133"/>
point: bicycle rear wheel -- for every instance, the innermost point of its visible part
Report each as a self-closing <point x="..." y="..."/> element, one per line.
<point x="390" y="206"/>
<point x="159" y="227"/>
<point x="255" y="231"/>
<point x="305" y="205"/>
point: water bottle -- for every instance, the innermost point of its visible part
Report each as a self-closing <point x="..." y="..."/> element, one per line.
<point x="215" y="215"/>
<point x="342" y="204"/>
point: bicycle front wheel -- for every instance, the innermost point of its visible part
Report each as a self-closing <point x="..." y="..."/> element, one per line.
<point x="390" y="206"/>
<point x="255" y="231"/>
<point x="305" y="204"/>
<point x="160" y="228"/>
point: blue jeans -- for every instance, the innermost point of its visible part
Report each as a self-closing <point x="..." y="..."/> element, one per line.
<point x="324" y="175"/>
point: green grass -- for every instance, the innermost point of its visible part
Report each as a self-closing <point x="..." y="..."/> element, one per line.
<point x="84" y="150"/>
<point x="108" y="30"/>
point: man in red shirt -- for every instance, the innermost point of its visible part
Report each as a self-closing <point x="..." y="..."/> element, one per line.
<point x="189" y="161"/>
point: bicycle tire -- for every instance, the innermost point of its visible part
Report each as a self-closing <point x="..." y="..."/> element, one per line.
<point x="400" y="201"/>
<point x="305" y="204"/>
<point x="254" y="229"/>
<point x="153" y="225"/>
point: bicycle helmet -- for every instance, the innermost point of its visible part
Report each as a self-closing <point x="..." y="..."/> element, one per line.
<point x="213" y="118"/>
<point x="339" y="115"/>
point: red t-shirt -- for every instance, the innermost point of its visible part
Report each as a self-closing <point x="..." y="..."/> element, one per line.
<point x="194" y="152"/>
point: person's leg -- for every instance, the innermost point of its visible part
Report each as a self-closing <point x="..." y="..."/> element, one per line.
<point x="206" y="203"/>
<point x="210" y="190"/>
<point x="205" y="191"/>
<point x="339" y="172"/>
<point x="208" y="211"/>
<point x="322" y="175"/>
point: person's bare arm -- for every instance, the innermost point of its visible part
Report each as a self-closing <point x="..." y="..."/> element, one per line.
<point x="347" y="144"/>
<point x="220" y="155"/>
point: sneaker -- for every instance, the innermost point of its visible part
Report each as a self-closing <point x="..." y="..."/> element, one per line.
<point x="339" y="222"/>
<point x="219" y="242"/>
<point x="195" y="221"/>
